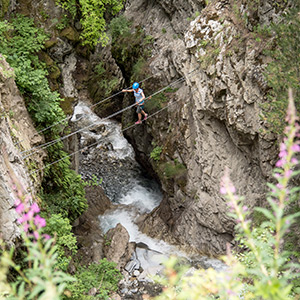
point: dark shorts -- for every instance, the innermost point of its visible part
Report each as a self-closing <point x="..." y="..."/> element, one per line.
<point x="139" y="109"/>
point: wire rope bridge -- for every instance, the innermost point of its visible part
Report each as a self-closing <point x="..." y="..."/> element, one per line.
<point x="31" y="151"/>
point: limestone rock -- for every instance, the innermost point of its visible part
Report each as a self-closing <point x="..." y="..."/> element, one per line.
<point x="17" y="134"/>
<point x="117" y="247"/>
<point x="86" y="228"/>
<point x="216" y="124"/>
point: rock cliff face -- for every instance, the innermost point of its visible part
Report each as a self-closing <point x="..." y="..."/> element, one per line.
<point x="216" y="123"/>
<point x="17" y="134"/>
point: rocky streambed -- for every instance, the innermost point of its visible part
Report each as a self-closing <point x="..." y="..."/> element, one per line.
<point x="107" y="162"/>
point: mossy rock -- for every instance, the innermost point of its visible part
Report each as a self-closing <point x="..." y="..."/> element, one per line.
<point x="54" y="72"/>
<point x="4" y="4"/>
<point x="67" y="105"/>
<point x="43" y="56"/>
<point x="70" y="33"/>
<point x="83" y="51"/>
<point x="50" y="43"/>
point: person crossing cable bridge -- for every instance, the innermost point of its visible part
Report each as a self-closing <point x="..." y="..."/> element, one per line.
<point x="139" y="101"/>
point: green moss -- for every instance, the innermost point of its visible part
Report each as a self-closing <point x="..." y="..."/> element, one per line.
<point x="54" y="72"/>
<point x="4" y="7"/>
<point x="70" y="33"/>
<point x="67" y="105"/>
<point x="50" y="43"/>
<point x="173" y="169"/>
<point x="46" y="58"/>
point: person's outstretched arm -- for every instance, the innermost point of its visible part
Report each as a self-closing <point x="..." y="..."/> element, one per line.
<point x="143" y="97"/>
<point x="131" y="90"/>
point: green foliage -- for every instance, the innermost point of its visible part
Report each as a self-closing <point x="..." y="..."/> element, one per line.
<point x="65" y="240"/>
<point x="119" y="26"/>
<point x="20" y="41"/>
<point x="156" y="102"/>
<point x="95" y="181"/>
<point x="284" y="71"/>
<point x="104" y="276"/>
<point x="36" y="275"/>
<point x="138" y="68"/>
<point x="65" y="194"/>
<point x="155" y="153"/>
<point x="69" y="5"/>
<point x="40" y="280"/>
<point x="92" y="17"/>
<point x="63" y="23"/>
<point x="131" y="50"/>
<point x="172" y="169"/>
<point x="108" y="85"/>
<point x="99" y="69"/>
<point x="262" y="235"/>
<point x="93" y="21"/>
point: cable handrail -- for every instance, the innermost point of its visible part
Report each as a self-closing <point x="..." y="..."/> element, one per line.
<point x="50" y="143"/>
<point x="92" y="106"/>
<point x="95" y="143"/>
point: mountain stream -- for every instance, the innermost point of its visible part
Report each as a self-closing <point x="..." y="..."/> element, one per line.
<point x="126" y="184"/>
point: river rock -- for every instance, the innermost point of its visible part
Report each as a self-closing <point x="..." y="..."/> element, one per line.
<point x="86" y="227"/>
<point x="117" y="247"/>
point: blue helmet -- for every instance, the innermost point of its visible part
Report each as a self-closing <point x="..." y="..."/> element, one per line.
<point x="135" y="85"/>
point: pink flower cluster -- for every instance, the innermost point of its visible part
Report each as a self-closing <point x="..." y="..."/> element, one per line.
<point x="29" y="217"/>
<point x="284" y="153"/>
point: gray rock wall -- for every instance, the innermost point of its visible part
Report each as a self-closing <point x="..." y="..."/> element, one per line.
<point x="17" y="134"/>
<point x="216" y="124"/>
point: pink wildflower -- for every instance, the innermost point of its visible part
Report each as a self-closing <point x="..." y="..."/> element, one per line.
<point x="280" y="186"/>
<point x="21" y="220"/>
<point x="223" y="190"/>
<point x="294" y="160"/>
<point x="36" y="235"/>
<point x="29" y="215"/>
<point x="280" y="163"/>
<point x="17" y="202"/>
<point x="296" y="148"/>
<point x="282" y="147"/>
<point x="245" y="208"/>
<point x="282" y="154"/>
<point x="26" y="227"/>
<point x="288" y="173"/>
<point x="39" y="222"/>
<point x="20" y="208"/>
<point x="46" y="236"/>
<point x="35" y="208"/>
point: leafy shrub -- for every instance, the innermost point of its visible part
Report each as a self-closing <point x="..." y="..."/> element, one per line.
<point x="284" y="70"/>
<point x="65" y="240"/>
<point x="92" y="17"/>
<point x="95" y="181"/>
<point x="69" y="5"/>
<point x="155" y="153"/>
<point x="104" y="276"/>
<point x="119" y="26"/>
<point x="20" y="41"/>
<point x="173" y="169"/>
